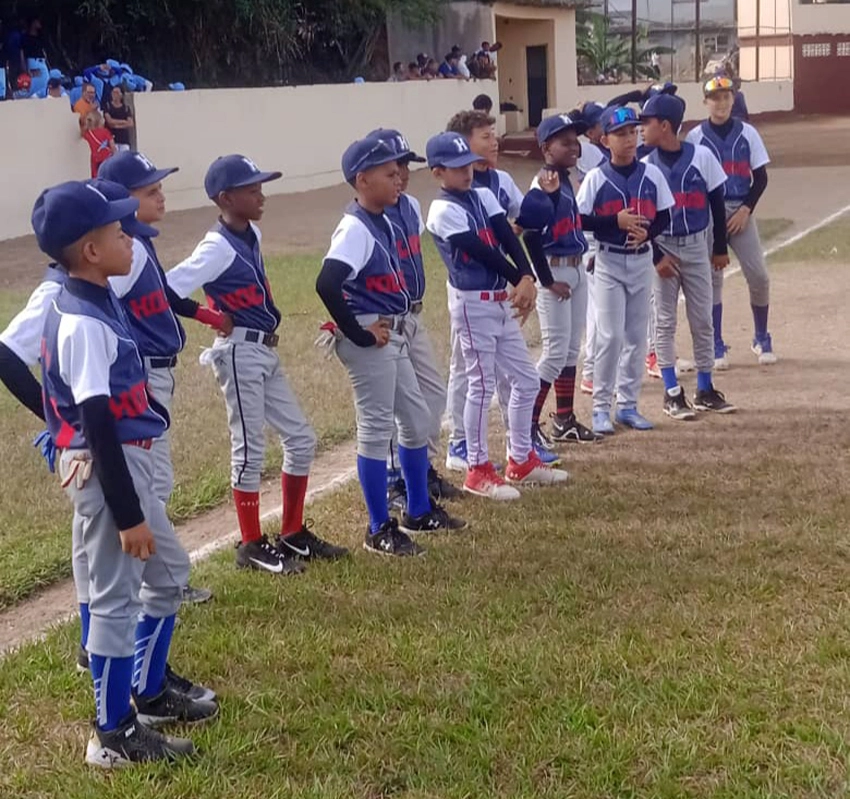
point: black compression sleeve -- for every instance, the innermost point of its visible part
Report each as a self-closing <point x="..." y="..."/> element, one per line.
<point x="109" y="463"/>
<point x="635" y="96"/>
<point x="490" y="257"/>
<point x="329" y="287"/>
<point x="758" y="187"/>
<point x="659" y="224"/>
<point x="20" y="381"/>
<point x="599" y="224"/>
<point x="534" y="244"/>
<point x="182" y="306"/>
<point x="718" y="216"/>
<point x="513" y="246"/>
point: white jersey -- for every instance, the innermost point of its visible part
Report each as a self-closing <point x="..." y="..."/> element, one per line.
<point x="503" y="187"/>
<point x="591" y="157"/>
<point x="596" y="183"/>
<point x="758" y="156"/>
<point x="23" y="335"/>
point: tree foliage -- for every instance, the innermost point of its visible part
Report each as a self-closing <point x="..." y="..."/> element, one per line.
<point x="223" y="42"/>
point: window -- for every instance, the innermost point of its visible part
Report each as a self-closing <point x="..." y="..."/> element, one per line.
<point x="843" y="49"/>
<point x="820" y="50"/>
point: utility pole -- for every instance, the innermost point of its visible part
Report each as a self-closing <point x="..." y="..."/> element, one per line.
<point x="698" y="48"/>
<point x="634" y="41"/>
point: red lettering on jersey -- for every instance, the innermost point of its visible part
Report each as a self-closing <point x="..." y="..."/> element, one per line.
<point x="645" y="208"/>
<point x="610" y="208"/>
<point x="690" y="199"/>
<point x="66" y="432"/>
<point x="149" y="305"/>
<point x="385" y="284"/>
<point x="565" y="226"/>
<point x="45" y="354"/>
<point x="130" y="403"/>
<point x="414" y="247"/>
<point x="740" y="169"/>
<point x="242" y="298"/>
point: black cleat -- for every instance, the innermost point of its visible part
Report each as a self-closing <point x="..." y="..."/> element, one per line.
<point x="262" y="555"/>
<point x="187" y="687"/>
<point x="436" y="520"/>
<point x="713" y="400"/>
<point x="170" y="706"/>
<point x="389" y="540"/>
<point x="133" y="742"/>
<point x="397" y="495"/>
<point x="677" y="407"/>
<point x="568" y="429"/>
<point x="196" y="596"/>
<point x="439" y="488"/>
<point x="82" y="660"/>
<point x="305" y="544"/>
<point x="540" y="440"/>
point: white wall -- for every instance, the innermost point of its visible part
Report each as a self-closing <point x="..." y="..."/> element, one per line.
<point x="819" y="18"/>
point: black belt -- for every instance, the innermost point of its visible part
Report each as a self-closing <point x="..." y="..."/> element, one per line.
<point x="269" y="339"/>
<point x="623" y="250"/>
<point x="395" y="323"/>
<point x="416" y="306"/>
<point x="162" y="363"/>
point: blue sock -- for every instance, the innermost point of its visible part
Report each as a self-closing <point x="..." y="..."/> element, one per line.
<point x="373" y="480"/>
<point x="760" y="321"/>
<point x="414" y="466"/>
<point x="112" y="679"/>
<point x="668" y="375"/>
<point x="703" y="381"/>
<point x="153" y="640"/>
<point x="85" y="619"/>
<point x="717" y="319"/>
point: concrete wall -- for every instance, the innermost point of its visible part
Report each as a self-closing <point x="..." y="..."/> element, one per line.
<point x="820" y="18"/>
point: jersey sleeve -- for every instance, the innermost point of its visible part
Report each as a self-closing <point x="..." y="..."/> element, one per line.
<point x="588" y="190"/>
<point x="665" y="196"/>
<point x="694" y="135"/>
<point x="537" y="211"/>
<point x="351" y="243"/>
<point x="515" y="196"/>
<point x="417" y="209"/>
<point x="590" y="158"/>
<point x="490" y="203"/>
<point x="23" y="335"/>
<point x="710" y="168"/>
<point x="122" y="285"/>
<point x="446" y="219"/>
<point x="758" y="152"/>
<point x="209" y="260"/>
<point x="86" y="350"/>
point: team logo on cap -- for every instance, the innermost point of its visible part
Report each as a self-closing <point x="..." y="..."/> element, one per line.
<point x="96" y="191"/>
<point x="250" y="164"/>
<point x="144" y="162"/>
<point x="461" y="144"/>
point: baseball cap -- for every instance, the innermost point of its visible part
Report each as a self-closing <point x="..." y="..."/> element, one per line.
<point x="719" y="83"/>
<point x="132" y="170"/>
<point x="555" y="124"/>
<point x="665" y="106"/>
<point x="234" y="172"/>
<point x="372" y="150"/>
<point x="64" y="214"/>
<point x="400" y="143"/>
<point x="618" y="118"/>
<point x="591" y="113"/>
<point x="130" y="224"/>
<point x="450" y="150"/>
<point x="661" y="88"/>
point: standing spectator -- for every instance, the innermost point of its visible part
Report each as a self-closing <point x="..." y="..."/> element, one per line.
<point x="463" y="68"/>
<point x="32" y="43"/>
<point x="119" y="118"/>
<point x="99" y="139"/>
<point x="398" y="74"/>
<point x="483" y="103"/>
<point x="86" y="104"/>
<point x="17" y="64"/>
<point x="655" y="61"/>
<point x="448" y="69"/>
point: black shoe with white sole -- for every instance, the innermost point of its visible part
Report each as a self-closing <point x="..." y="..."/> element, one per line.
<point x="568" y="429"/>
<point x="540" y="440"/>
<point x="713" y="400"/>
<point x="435" y="521"/>
<point x="187" y="687"/>
<point x="397" y="495"/>
<point x="439" y="488"/>
<point x="133" y="742"/>
<point x="262" y="555"/>
<point x="82" y="660"/>
<point x="305" y="544"/>
<point x="676" y="405"/>
<point x="389" y="540"/>
<point x="196" y="596"/>
<point x="170" y="706"/>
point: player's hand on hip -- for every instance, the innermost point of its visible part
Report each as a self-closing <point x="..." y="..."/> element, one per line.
<point x="381" y="331"/>
<point x="738" y="221"/>
<point x="522" y="297"/>
<point x="226" y="325"/>
<point x="548" y="180"/>
<point x="668" y="266"/>
<point x="719" y="262"/>
<point x="629" y="220"/>
<point x="560" y="290"/>
<point x="138" y="541"/>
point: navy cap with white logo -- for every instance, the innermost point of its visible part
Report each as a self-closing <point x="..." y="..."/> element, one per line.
<point x="450" y="150"/>
<point x="555" y="124"/>
<point x="234" y="172"/>
<point x="375" y="149"/>
<point x="618" y="118"/>
<point x="65" y="213"/>
<point x="400" y="143"/>
<point x="132" y="170"/>
<point x="591" y="113"/>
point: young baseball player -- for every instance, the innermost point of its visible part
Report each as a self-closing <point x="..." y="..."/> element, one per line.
<point x="681" y="255"/>
<point x="365" y="289"/>
<point x="469" y="225"/>
<point x="102" y="419"/>
<point x="623" y="271"/>
<point x="554" y="239"/>
<point x="228" y="265"/>
<point x="742" y="154"/>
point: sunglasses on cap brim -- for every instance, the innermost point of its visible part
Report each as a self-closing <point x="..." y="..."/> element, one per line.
<point x="622" y="116"/>
<point x="718" y="85"/>
<point x="382" y="147"/>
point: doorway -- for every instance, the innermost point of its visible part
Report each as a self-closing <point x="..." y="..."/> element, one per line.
<point x="537" y="69"/>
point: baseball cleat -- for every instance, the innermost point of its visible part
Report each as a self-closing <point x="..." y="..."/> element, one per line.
<point x="389" y="540"/>
<point x="713" y="400"/>
<point x="652" y="367"/>
<point x="547" y="458"/>
<point x="586" y="386"/>
<point x="763" y="348"/>
<point x="170" y="706"/>
<point x="534" y="472"/>
<point x="456" y="459"/>
<point x="629" y="417"/>
<point x="439" y="488"/>
<point x="721" y="362"/>
<point x="602" y="424"/>
<point x="187" y="687"/>
<point x="196" y="596"/>
<point x="435" y="521"/>
<point x="676" y="405"/>
<point x="262" y="555"/>
<point x="485" y="481"/>
<point x="397" y="495"/>
<point x="82" y="660"/>
<point x="569" y="429"/>
<point x="306" y="545"/>
<point x="540" y="440"/>
<point x="133" y="742"/>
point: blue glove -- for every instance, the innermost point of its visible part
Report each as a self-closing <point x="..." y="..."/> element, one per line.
<point x="44" y="442"/>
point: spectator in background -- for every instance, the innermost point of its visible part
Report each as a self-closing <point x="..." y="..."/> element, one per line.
<point x="398" y="74"/>
<point x="422" y="59"/>
<point x="462" y="68"/>
<point x="119" y="118"/>
<point x="413" y="71"/>
<point x="86" y="104"/>
<point x="431" y="70"/>
<point x="55" y="89"/>
<point x="448" y="69"/>
<point x="100" y="140"/>
<point x="483" y="103"/>
<point x="32" y="42"/>
<point x="13" y="45"/>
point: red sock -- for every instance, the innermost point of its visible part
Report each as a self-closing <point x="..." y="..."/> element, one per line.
<point x="565" y="391"/>
<point x="294" y="488"/>
<point x="248" y="513"/>
<point x="540" y="402"/>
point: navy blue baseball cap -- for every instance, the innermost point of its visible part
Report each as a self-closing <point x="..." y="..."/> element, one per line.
<point x="234" y="172"/>
<point x="555" y="124"/>
<point x="132" y="170"/>
<point x="592" y="113"/>
<point x="400" y="143"/>
<point x="65" y="213"/>
<point x="450" y="150"/>
<point x="374" y="149"/>
<point x="130" y="224"/>
<point x="618" y="118"/>
<point x="661" y="88"/>
<point x="665" y="106"/>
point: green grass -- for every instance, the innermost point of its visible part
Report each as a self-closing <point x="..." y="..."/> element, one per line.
<point x="830" y="244"/>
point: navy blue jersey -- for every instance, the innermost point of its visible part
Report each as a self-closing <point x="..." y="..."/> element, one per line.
<point x="559" y="221"/>
<point x="406" y="220"/>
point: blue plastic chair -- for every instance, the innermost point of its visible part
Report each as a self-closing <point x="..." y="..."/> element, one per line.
<point x="2" y="83"/>
<point x="76" y="94"/>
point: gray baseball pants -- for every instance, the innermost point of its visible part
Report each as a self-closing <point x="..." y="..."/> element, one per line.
<point x="161" y="383"/>
<point x="695" y="282"/>
<point x="623" y="286"/>
<point x="747" y="247"/>
<point x="590" y="321"/>
<point x="562" y="323"/>
<point x="119" y="586"/>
